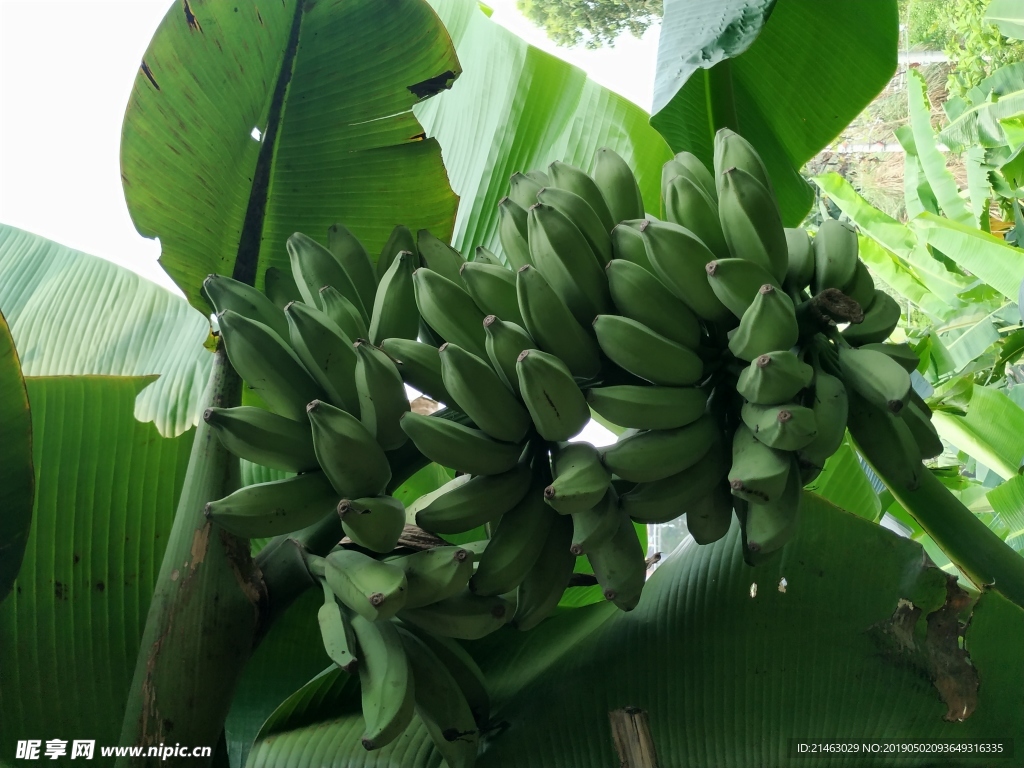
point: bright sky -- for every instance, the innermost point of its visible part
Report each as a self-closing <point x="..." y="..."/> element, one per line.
<point x="66" y="71"/>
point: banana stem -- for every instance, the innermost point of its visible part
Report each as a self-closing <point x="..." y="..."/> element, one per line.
<point x="969" y="544"/>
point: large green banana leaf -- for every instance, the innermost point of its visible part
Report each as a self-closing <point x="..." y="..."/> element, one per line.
<point x="1007" y="16"/>
<point x="517" y="108"/>
<point x="794" y="80"/>
<point x="18" y="487"/>
<point x="328" y="85"/>
<point x="992" y="432"/>
<point x="849" y="633"/>
<point x="72" y="313"/>
<point x="975" y="119"/>
<point x="107" y="488"/>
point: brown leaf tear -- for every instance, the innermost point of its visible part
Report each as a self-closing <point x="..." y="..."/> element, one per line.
<point x="433" y="85"/>
<point x="190" y="18"/>
<point x="149" y="74"/>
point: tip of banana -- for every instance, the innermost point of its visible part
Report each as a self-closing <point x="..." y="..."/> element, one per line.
<point x="289" y="305"/>
<point x="207" y="414"/>
<point x="207" y="509"/>
<point x="711" y="267"/>
<point x="524" y="268"/>
<point x="490" y="320"/>
<point x="312" y="406"/>
<point x="523" y="355"/>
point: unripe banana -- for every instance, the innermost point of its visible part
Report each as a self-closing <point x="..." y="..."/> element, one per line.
<point x="394" y="308"/>
<point x="479" y="393"/>
<point x="835" y="255"/>
<point x="689" y="165"/>
<point x="277" y="507"/>
<point x="925" y="435"/>
<point x="553" y="326"/>
<point x="493" y="288"/>
<point x="280" y="287"/>
<point x="464" y="616"/>
<point x="751" y="222"/>
<point x="344" y="313"/>
<point x="620" y="565"/>
<point x="773" y="378"/>
<point x="336" y="632"/>
<point x="374" y="523"/>
<point x="385" y="682"/>
<point x="878" y="324"/>
<point x="580" y="479"/>
<point x="644" y="457"/>
<point x="628" y="244"/>
<point x="769" y="526"/>
<point x="325" y="353"/>
<point x="419" y="365"/>
<point x="733" y="151"/>
<point x="769" y="324"/>
<point x="800" y="265"/>
<point x="449" y="310"/>
<point x="568" y="177"/>
<point x="356" y="262"/>
<point x="689" y="206"/>
<point x="512" y="233"/>
<point x="462" y="448"/>
<point x="680" y="259"/>
<point x="263" y="437"/>
<point x="484" y="256"/>
<point x="579" y="212"/>
<point x="591" y="527"/>
<point x="504" y="343"/>
<point x="539" y="593"/>
<point x="560" y="251"/>
<point x="522" y="190"/>
<point x="885" y="440"/>
<point x="787" y="427"/>
<point x="267" y="364"/>
<point x="352" y="460"/>
<point x="667" y="499"/>
<point x="831" y="410"/>
<point x="223" y="293"/>
<point x="876" y="377"/>
<point x="373" y="589"/>
<point x="758" y="473"/>
<point x="462" y="667"/>
<point x="709" y="517"/>
<point x="313" y="267"/>
<point x="636" y="348"/>
<point x="540" y="177"/>
<point x="735" y="282"/>
<point x="903" y="354"/>
<point x="556" y="405"/>
<point x="382" y="397"/>
<point x="399" y="240"/>
<point x="640" y="296"/>
<point x="862" y="288"/>
<point x="435" y="574"/>
<point x="615" y="179"/>
<point x="645" y="407"/>
<point x="439" y="256"/>
<point x="466" y="503"/>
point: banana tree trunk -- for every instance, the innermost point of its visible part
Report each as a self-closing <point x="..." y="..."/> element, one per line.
<point x="206" y="608"/>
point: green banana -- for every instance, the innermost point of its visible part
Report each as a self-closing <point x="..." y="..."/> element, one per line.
<point x="493" y="288"/>
<point x="758" y="472"/>
<point x="479" y="393"/>
<point x="774" y="377"/>
<point x="591" y="527"/>
<point x="617" y="184"/>
<point x="512" y="233"/>
<point x="449" y="310"/>
<point x="689" y="206"/>
<point x="620" y="565"/>
<point x="800" y="265"/>
<point x="681" y="260"/>
<point x="263" y="437"/>
<point x="831" y="409"/>
<point x="386" y="682"/>
<point x="876" y="377"/>
<point x="465" y="503"/>
<point x="276" y="507"/>
<point x="903" y="354"/>
<point x="769" y="526"/>
<point x="540" y="177"/>
<point x="464" y="616"/>
<point x="556" y="404"/>
<point x="835" y="255"/>
<point x="878" y="324"/>
<point x="336" y="632"/>
<point x="885" y="440"/>
<point x="709" y="517"/>
<point x="636" y="348"/>
<point x="462" y="448"/>
<point x="862" y="288"/>
<point x="787" y="427"/>
<point x="568" y="177"/>
<point x="224" y="293"/>
<point x="504" y="343"/>
<point x="640" y="296"/>
<point x="751" y="222"/>
<point x="439" y="256"/>
<point x="733" y="151"/>
<point x="580" y="479"/>
<point x="644" y="457"/>
<point x="313" y="267"/>
<point x="350" y="253"/>
<point x="522" y="189"/>
<point x="373" y="589"/>
<point x="268" y="365"/>
<point x="735" y="282"/>
<point x="394" y="308"/>
<point x="560" y="251"/>
<point x="280" y="287"/>
<point x="375" y="523"/>
<point x="667" y="499"/>
<point x="628" y="245"/>
<point x="435" y="574"/>
<point x="399" y="240"/>
<point x="578" y="211"/>
<point x="382" y="397"/>
<point x="689" y="165"/>
<point x="325" y="352"/>
<point x="344" y="313"/>
<point x="925" y="435"/>
<point x="419" y="365"/>
<point x="646" y="407"/>
<point x="350" y="456"/>
<point x="550" y="322"/>
<point x="485" y="256"/>
<point x="769" y="324"/>
<point x="540" y="592"/>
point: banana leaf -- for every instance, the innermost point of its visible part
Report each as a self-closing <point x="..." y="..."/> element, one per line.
<point x="1007" y="501"/>
<point x="18" y="487"/>
<point x="992" y="432"/>
<point x="789" y="81"/>
<point x="730" y="661"/>
<point x="977" y="120"/>
<point x="107" y="488"/>
<point x="917" y="194"/>
<point x="1007" y="16"/>
<point x="842" y="481"/>
<point x="328" y="87"/>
